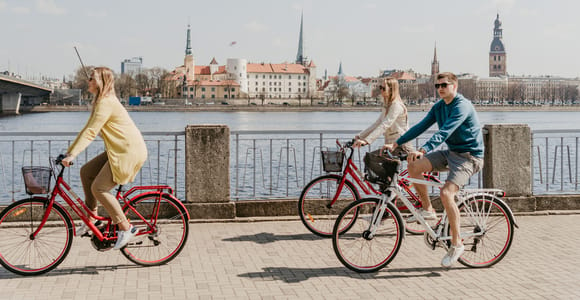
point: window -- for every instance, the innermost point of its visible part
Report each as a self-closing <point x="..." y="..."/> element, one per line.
<point x="263" y="76"/>
<point x="202" y="96"/>
<point x="270" y="76"/>
<point x="289" y="89"/>
<point x="256" y="83"/>
<point x="263" y="89"/>
<point x="289" y="83"/>
<point x="191" y="89"/>
<point x="256" y="76"/>
<point x="289" y="76"/>
<point x="225" y="89"/>
<point x="226" y="96"/>
<point x="213" y="89"/>
<point x="203" y="89"/>
<point x="233" y="96"/>
<point x="233" y="89"/>
<point x="213" y="96"/>
<point x="256" y="89"/>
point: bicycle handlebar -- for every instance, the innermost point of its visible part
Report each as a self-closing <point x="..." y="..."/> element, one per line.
<point x="59" y="159"/>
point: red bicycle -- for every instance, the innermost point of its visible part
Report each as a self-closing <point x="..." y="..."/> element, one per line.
<point x="36" y="233"/>
<point x="324" y="198"/>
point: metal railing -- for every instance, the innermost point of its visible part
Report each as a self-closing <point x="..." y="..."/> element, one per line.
<point x="165" y="163"/>
<point x="263" y="164"/>
<point x="555" y="161"/>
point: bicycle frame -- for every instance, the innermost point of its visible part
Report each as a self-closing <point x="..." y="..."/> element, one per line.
<point x="62" y="189"/>
<point x="367" y="188"/>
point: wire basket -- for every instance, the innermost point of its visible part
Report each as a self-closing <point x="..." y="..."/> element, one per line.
<point x="380" y="169"/>
<point x="332" y="161"/>
<point x="37" y="179"/>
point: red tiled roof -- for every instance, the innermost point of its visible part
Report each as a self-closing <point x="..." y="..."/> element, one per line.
<point x="287" y="68"/>
<point x="215" y="83"/>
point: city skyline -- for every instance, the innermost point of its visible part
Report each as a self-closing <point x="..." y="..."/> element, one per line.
<point x="365" y="36"/>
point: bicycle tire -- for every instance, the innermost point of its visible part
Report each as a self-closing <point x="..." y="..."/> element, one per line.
<point x="162" y="241"/>
<point x="313" y="201"/>
<point x="497" y="233"/>
<point x="355" y="249"/>
<point x="25" y="256"/>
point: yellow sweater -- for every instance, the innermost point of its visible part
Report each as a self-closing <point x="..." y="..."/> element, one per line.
<point x="124" y="143"/>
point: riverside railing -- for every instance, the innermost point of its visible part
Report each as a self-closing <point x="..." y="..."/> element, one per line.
<point x="555" y="161"/>
<point x="263" y="164"/>
<point x="165" y="164"/>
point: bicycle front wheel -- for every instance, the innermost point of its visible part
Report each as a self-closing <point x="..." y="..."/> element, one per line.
<point x="487" y="229"/>
<point x="362" y="250"/>
<point x="163" y="227"/>
<point x="23" y="254"/>
<point x="316" y="208"/>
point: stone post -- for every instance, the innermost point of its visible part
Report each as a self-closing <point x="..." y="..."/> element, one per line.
<point x="207" y="171"/>
<point x="11" y="103"/>
<point x="508" y="158"/>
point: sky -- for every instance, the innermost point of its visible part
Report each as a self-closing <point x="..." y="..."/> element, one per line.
<point x="37" y="37"/>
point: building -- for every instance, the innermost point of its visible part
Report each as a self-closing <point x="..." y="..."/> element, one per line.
<point x="497" y="53"/>
<point x="240" y="79"/>
<point x="132" y="66"/>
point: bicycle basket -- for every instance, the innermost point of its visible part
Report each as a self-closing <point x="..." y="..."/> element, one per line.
<point x="332" y="161"/>
<point x="380" y="169"/>
<point x="36" y="179"/>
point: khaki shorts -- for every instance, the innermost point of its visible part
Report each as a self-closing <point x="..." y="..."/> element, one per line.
<point x="461" y="166"/>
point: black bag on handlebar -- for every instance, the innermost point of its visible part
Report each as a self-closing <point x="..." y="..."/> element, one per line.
<point x="380" y="169"/>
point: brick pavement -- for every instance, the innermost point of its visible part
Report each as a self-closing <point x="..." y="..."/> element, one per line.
<point x="281" y="260"/>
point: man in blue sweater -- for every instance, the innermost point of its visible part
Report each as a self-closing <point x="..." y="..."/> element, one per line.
<point x="459" y="128"/>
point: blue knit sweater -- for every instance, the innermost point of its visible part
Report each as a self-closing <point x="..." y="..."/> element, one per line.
<point x="458" y="125"/>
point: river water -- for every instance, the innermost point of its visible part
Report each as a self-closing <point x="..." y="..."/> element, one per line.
<point x="176" y="121"/>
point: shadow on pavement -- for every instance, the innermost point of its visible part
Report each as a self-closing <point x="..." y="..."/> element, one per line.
<point x="267" y="237"/>
<point x="293" y="275"/>
<point x="88" y="270"/>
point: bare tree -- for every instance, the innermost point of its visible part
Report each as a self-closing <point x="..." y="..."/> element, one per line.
<point x="81" y="81"/>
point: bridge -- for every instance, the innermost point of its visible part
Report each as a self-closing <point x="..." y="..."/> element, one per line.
<point x="15" y="92"/>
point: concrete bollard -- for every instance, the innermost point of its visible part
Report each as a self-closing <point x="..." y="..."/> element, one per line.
<point x="207" y="171"/>
<point x="508" y="158"/>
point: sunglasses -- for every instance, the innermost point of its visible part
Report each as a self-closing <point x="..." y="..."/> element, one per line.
<point x="442" y="85"/>
<point x="382" y="88"/>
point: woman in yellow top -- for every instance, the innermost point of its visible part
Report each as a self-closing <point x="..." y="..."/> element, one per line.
<point x="119" y="164"/>
<point x="392" y="122"/>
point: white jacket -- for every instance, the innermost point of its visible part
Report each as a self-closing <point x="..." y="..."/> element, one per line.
<point x="392" y="124"/>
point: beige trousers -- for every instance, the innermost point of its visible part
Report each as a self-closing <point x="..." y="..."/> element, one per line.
<point x="97" y="180"/>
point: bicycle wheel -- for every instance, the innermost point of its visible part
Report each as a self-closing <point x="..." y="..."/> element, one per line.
<point x="488" y="227"/>
<point x="163" y="226"/>
<point x="314" y="201"/>
<point x="359" y="252"/>
<point x="415" y="228"/>
<point x="21" y="254"/>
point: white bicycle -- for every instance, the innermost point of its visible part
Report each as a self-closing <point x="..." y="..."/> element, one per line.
<point x="376" y="227"/>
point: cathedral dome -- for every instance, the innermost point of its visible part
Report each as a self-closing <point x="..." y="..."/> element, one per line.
<point x="497" y="46"/>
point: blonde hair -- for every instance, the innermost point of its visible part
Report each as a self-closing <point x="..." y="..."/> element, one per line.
<point x="105" y="80"/>
<point x="394" y="94"/>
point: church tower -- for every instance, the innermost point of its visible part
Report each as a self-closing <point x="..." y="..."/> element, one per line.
<point x="435" y="63"/>
<point x="497" y="54"/>
<point x="300" y="58"/>
<point x="188" y="61"/>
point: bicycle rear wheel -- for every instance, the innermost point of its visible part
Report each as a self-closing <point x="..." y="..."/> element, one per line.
<point x="163" y="227"/>
<point x="488" y="225"/>
<point x="356" y="249"/>
<point x="24" y="255"/>
<point x="314" y="203"/>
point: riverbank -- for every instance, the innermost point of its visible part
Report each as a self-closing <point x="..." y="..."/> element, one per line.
<point x="287" y="108"/>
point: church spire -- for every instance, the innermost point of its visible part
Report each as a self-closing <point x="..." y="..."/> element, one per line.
<point x="300" y="59"/>
<point x="340" y="69"/>
<point x="435" y="62"/>
<point x="188" y="45"/>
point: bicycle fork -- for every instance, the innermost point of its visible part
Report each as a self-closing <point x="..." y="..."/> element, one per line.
<point x="378" y="214"/>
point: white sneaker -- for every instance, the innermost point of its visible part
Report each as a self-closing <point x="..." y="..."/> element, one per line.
<point x="452" y="255"/>
<point x="123" y="237"/>
<point x="427" y="215"/>
<point x="84" y="230"/>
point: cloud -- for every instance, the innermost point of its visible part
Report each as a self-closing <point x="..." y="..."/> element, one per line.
<point x="255" y="26"/>
<point x="21" y="10"/>
<point x="49" y="7"/>
<point x="2" y="5"/>
<point x="97" y="14"/>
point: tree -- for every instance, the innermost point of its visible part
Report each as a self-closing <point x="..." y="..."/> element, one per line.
<point x="81" y="81"/>
<point x="126" y="86"/>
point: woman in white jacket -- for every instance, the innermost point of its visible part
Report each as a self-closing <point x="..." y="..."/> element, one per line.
<point x="392" y="122"/>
